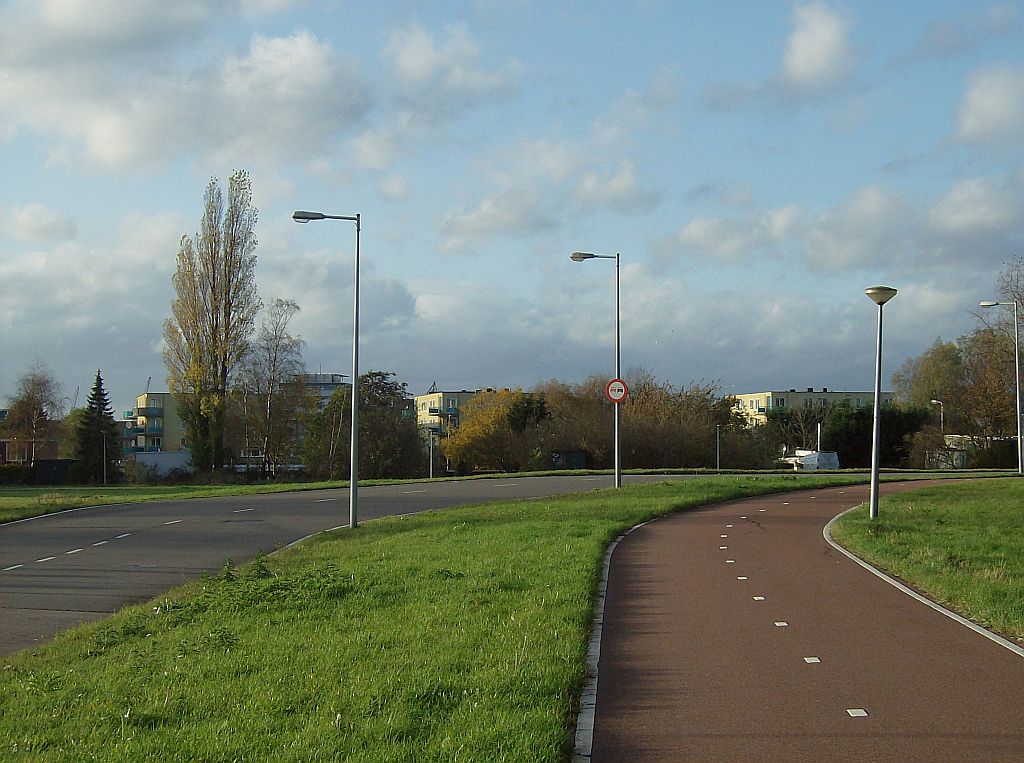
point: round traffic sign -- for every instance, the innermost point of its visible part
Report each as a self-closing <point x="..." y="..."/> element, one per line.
<point x="616" y="391"/>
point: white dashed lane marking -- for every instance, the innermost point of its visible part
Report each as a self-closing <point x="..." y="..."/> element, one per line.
<point x="13" y="567"/>
<point x="122" y="535"/>
<point x="857" y="712"/>
<point x="810" y="660"/>
<point x="45" y="559"/>
<point x="100" y="543"/>
<point x="240" y="511"/>
<point x="781" y="624"/>
<point x="174" y="521"/>
<point x="72" y="551"/>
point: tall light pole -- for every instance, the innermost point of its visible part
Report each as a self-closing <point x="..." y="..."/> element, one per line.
<point x="580" y="257"/>
<point x="879" y="295"/>
<point x="1016" y="377"/>
<point x="942" y="415"/>
<point x="718" y="447"/>
<point x="353" y="490"/>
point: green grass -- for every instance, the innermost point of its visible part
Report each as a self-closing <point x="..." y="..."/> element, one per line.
<point x="457" y="635"/>
<point x="23" y="502"/>
<point x="961" y="544"/>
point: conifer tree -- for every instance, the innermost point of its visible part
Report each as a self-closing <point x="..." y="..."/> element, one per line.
<point x="98" y="440"/>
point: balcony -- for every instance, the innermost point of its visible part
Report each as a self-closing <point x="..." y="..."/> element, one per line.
<point x="151" y="411"/>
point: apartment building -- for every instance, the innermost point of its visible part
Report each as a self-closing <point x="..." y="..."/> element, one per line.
<point x="439" y="410"/>
<point x="324" y="386"/>
<point x="154" y="425"/>
<point x="755" y="405"/>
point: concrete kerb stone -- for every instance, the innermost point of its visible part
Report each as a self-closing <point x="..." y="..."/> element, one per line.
<point x="584" y="744"/>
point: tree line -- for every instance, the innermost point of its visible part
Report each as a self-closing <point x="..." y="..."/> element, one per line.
<point x="239" y="390"/>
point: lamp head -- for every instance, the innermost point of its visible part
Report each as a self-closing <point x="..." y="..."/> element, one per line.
<point x="989" y="304"/>
<point x="580" y="256"/>
<point x="880" y="294"/>
<point x="304" y="217"/>
<point x="936" y="402"/>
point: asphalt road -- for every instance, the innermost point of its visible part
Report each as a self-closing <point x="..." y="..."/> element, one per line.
<point x="737" y="633"/>
<point x="63" y="569"/>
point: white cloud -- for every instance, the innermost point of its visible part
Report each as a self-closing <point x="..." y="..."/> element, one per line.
<point x="619" y="191"/>
<point x="290" y="94"/>
<point x="818" y="53"/>
<point x="35" y="222"/>
<point x="732" y="239"/>
<point x="394" y="188"/>
<point x="443" y="76"/>
<point x="635" y="108"/>
<point x="536" y="183"/>
<point x="728" y="194"/>
<point x="114" y="85"/>
<point x="73" y="26"/>
<point x="510" y="213"/>
<point x="866" y="229"/>
<point x="944" y="39"/>
<point x="979" y="205"/>
<point x="818" y="61"/>
<point x="992" y="109"/>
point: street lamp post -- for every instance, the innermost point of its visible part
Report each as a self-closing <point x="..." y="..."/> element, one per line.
<point x="580" y="257"/>
<point x="353" y="490"/>
<point x="1016" y="378"/>
<point x="879" y="295"/>
<point x="942" y="415"/>
<point x="718" y="447"/>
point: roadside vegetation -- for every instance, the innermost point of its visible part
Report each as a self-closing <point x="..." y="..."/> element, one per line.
<point x="961" y="544"/>
<point x="23" y="502"/>
<point x="453" y="635"/>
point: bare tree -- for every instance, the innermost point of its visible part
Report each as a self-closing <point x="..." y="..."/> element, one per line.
<point x="34" y="410"/>
<point x="272" y="379"/>
<point x="213" y="314"/>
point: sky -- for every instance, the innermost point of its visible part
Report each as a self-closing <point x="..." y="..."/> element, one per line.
<point x="757" y="165"/>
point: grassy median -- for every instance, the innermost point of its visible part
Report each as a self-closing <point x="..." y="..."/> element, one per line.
<point x="961" y="544"/>
<point x="457" y="635"/>
<point x="22" y="502"/>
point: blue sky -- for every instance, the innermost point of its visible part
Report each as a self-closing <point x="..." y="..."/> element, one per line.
<point x="757" y="164"/>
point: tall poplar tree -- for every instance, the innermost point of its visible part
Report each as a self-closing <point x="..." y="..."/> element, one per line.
<point x="98" y="442"/>
<point x="206" y="339"/>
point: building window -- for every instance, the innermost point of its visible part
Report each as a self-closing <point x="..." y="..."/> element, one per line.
<point x="780" y="402"/>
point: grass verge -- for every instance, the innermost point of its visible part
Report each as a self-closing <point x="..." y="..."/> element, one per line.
<point x="24" y="502"/>
<point x="457" y="635"/>
<point x="961" y="544"/>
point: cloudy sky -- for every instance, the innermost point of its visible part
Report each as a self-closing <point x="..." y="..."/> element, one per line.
<point x="757" y="164"/>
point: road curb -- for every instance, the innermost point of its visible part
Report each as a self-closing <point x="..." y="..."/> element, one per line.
<point x="584" y="744"/>
<point x="827" y="534"/>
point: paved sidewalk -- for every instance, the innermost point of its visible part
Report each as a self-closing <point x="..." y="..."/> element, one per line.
<point x="736" y="633"/>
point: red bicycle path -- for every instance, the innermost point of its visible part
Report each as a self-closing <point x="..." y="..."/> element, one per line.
<point x="736" y="632"/>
